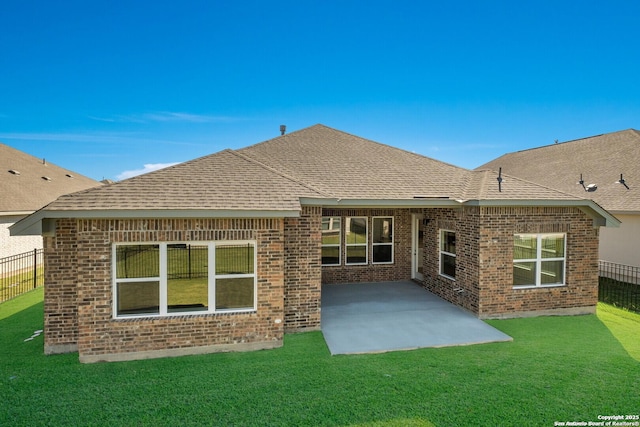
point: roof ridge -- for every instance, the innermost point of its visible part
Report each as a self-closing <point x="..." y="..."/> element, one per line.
<point x="541" y="185"/>
<point x="277" y="172"/>
<point x="413" y="153"/>
<point x="577" y="140"/>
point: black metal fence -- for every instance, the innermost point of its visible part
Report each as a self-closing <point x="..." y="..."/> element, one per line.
<point x="619" y="285"/>
<point x="21" y="273"/>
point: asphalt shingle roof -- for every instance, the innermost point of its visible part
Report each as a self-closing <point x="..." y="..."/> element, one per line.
<point x="225" y="180"/>
<point x="30" y="190"/>
<point x="315" y="162"/>
<point x="347" y="166"/>
<point x="600" y="159"/>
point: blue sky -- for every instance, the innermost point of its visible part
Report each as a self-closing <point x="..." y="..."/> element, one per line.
<point x="106" y="87"/>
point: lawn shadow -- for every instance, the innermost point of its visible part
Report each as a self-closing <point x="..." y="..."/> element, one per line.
<point x="624" y="326"/>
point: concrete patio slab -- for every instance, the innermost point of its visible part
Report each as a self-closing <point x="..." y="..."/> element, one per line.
<point x="390" y="316"/>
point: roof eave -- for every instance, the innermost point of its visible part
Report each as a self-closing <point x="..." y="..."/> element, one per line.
<point x="600" y="216"/>
<point x="15" y="213"/>
<point x="33" y="224"/>
<point x="432" y="202"/>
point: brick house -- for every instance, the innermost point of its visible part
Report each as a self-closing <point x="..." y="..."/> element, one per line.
<point x="230" y="251"/>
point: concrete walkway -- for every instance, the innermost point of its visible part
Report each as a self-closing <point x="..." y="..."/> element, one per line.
<point x="380" y="317"/>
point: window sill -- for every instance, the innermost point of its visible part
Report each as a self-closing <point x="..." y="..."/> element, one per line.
<point x="539" y="287"/>
<point x="183" y="314"/>
<point x="447" y="277"/>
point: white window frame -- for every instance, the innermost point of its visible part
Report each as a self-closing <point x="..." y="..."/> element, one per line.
<point x="374" y="244"/>
<point x="442" y="252"/>
<point x="331" y="245"/>
<point x="539" y="260"/>
<point x="163" y="281"/>
<point x="348" y="245"/>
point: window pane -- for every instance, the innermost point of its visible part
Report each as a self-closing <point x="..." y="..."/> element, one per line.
<point x="138" y="298"/>
<point x="331" y="255"/>
<point x="382" y="253"/>
<point x="382" y="230"/>
<point x="448" y="242"/>
<point x="524" y="274"/>
<point x="356" y="254"/>
<point x="448" y="264"/>
<point x="234" y="259"/>
<point x="187" y="278"/>
<point x="137" y="261"/>
<point x="234" y="293"/>
<point x="525" y="246"/>
<point x="331" y="230"/>
<point x="552" y="273"/>
<point x="356" y="229"/>
<point x="553" y="246"/>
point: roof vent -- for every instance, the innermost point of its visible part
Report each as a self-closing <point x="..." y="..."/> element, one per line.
<point x="69" y="175"/>
<point x="589" y="188"/>
<point x="622" y="181"/>
<point x="283" y="129"/>
<point x="14" y="172"/>
<point x="46" y="178"/>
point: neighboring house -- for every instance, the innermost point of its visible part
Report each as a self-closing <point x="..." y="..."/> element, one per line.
<point x="26" y="185"/>
<point x="230" y="251"/>
<point x="603" y="168"/>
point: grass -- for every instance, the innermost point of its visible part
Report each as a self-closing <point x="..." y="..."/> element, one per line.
<point x="556" y="369"/>
<point x="18" y="283"/>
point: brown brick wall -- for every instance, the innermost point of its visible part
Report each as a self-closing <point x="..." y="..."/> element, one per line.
<point x="464" y="290"/>
<point x="99" y="334"/>
<point x="499" y="299"/>
<point x="399" y="270"/>
<point x="302" y="270"/>
<point x="484" y="260"/>
<point x="60" y="292"/>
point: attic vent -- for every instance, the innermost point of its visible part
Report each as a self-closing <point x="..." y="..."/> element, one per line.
<point x="46" y="178"/>
<point x="13" y="171"/>
<point x="69" y="175"/>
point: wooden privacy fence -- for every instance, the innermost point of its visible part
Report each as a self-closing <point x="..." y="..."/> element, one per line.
<point x="21" y="273"/>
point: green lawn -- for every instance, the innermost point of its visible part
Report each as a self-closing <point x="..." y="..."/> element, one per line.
<point x="556" y="369"/>
<point x="18" y="283"/>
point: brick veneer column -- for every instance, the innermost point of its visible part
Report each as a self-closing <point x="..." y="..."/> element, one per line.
<point x="60" y="291"/>
<point x="302" y="270"/>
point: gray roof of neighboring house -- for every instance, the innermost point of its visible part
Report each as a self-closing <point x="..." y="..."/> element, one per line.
<point x="317" y="165"/>
<point x="599" y="159"/>
<point x="28" y="183"/>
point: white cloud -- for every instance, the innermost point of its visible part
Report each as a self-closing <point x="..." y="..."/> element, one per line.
<point x="149" y="167"/>
<point x="94" y="138"/>
<point x="165" y="116"/>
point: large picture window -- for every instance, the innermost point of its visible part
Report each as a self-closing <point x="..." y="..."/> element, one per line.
<point x="448" y="253"/>
<point x="179" y="278"/>
<point x="382" y="240"/>
<point x="331" y="238"/>
<point x="356" y="242"/>
<point x="539" y="259"/>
